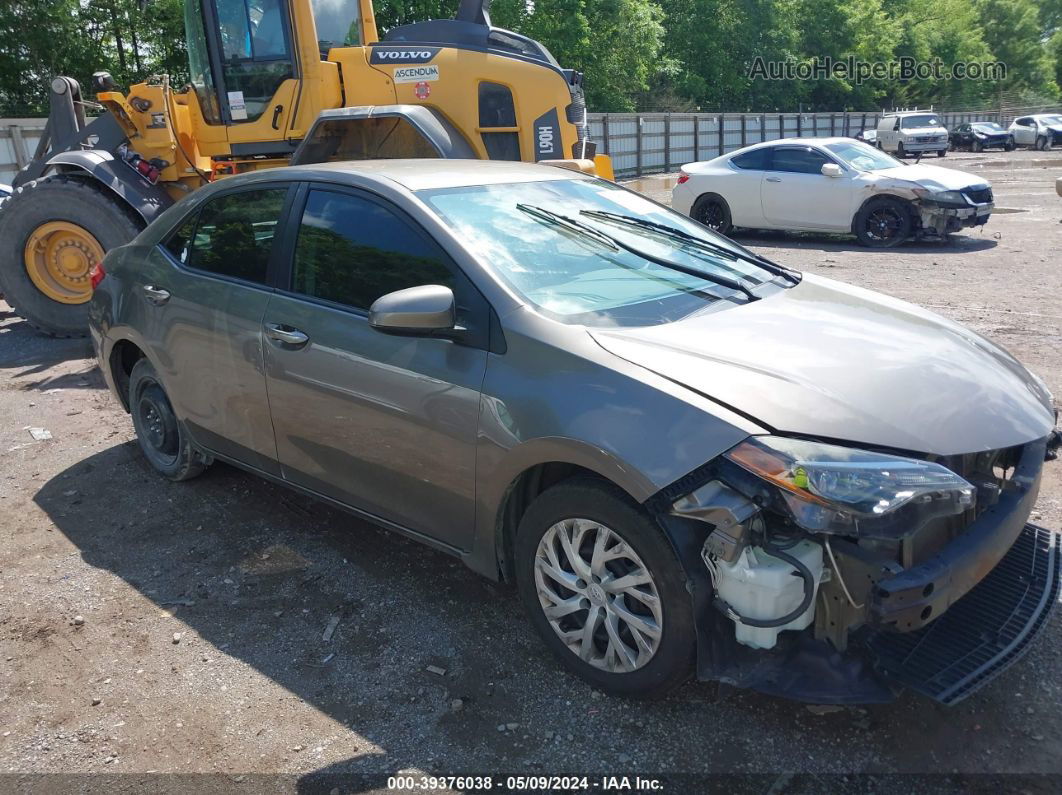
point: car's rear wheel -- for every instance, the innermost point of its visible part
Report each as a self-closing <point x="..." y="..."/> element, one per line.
<point x="712" y="210"/>
<point x="163" y="441"/>
<point x="1009" y="146"/>
<point x="603" y="588"/>
<point x="883" y="222"/>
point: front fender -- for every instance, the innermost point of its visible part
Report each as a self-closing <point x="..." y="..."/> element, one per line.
<point x="147" y="200"/>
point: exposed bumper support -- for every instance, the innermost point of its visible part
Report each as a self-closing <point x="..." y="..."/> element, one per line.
<point x="983" y="633"/>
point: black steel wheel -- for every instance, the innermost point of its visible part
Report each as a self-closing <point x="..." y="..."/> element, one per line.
<point x="162" y="440"/>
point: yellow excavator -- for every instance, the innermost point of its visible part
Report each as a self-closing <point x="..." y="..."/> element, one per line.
<point x="273" y="82"/>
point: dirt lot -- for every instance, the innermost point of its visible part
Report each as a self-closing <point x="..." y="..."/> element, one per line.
<point x="148" y="626"/>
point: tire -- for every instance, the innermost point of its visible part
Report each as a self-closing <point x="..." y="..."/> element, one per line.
<point x="894" y="212"/>
<point x="162" y="440"/>
<point x="1041" y="143"/>
<point x="942" y="153"/>
<point x="977" y="146"/>
<point x="59" y="200"/>
<point x="712" y="210"/>
<point x="603" y="510"/>
<point x="900" y="151"/>
<point x="1009" y="146"/>
<point x="952" y="146"/>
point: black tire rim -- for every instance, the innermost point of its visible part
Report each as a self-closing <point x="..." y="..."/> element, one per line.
<point x="712" y="215"/>
<point x="158" y="423"/>
<point x="884" y="224"/>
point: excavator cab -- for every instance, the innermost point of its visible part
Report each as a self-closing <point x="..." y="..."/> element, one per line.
<point x="273" y="82"/>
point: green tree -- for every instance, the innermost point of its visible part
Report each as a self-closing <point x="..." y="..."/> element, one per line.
<point x="1013" y="32"/>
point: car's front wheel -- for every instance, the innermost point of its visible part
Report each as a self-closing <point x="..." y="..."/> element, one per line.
<point x="163" y="441"/>
<point x="901" y="151"/>
<point x="712" y="210"/>
<point x="977" y="146"/>
<point x="604" y="589"/>
<point x="1041" y="143"/>
<point x="883" y="222"/>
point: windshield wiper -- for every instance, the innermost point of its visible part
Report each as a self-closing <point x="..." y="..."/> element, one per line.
<point x="672" y="232"/>
<point x="615" y="243"/>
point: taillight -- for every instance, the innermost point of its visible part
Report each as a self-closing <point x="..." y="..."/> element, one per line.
<point x="683" y="177"/>
<point x="96" y="274"/>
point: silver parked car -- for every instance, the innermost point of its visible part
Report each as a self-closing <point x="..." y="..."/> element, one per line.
<point x="689" y="459"/>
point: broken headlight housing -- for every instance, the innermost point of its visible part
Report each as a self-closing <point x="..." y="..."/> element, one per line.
<point x="945" y="198"/>
<point x="827" y="488"/>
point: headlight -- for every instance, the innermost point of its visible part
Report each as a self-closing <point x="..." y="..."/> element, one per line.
<point x="950" y="197"/>
<point x="831" y="489"/>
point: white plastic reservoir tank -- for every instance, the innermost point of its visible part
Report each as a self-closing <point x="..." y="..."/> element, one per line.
<point x="758" y="585"/>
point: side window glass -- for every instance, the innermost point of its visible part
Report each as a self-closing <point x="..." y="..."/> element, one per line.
<point x="235" y="234"/>
<point x="352" y="251"/>
<point x="800" y="161"/>
<point x="180" y="240"/>
<point x="757" y="159"/>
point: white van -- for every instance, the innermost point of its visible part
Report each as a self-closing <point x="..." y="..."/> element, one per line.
<point x="910" y="132"/>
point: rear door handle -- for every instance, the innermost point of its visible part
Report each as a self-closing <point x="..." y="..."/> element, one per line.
<point x="774" y="179"/>
<point x="285" y="334"/>
<point x="156" y="295"/>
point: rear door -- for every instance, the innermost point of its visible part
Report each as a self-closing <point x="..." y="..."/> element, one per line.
<point x="204" y="292"/>
<point x="796" y="194"/>
<point x="742" y="190"/>
<point x="384" y="423"/>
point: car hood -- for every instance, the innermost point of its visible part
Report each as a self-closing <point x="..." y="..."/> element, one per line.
<point x="934" y="177"/>
<point x="825" y="359"/>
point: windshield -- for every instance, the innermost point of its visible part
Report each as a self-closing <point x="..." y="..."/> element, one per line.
<point x="920" y="120"/>
<point x="862" y="157"/>
<point x="336" y="22"/>
<point x="571" y="274"/>
<point x="988" y="127"/>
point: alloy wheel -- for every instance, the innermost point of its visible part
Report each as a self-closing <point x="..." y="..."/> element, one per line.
<point x="712" y="215"/>
<point x="598" y="595"/>
<point x="884" y="223"/>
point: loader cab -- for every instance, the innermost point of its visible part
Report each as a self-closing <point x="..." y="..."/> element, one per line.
<point x="254" y="62"/>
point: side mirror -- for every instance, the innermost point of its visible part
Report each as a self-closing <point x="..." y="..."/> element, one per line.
<point x="831" y="170"/>
<point x="415" y="311"/>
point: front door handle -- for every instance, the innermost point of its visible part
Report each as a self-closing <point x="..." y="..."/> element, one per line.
<point x="156" y="295"/>
<point x="774" y="179"/>
<point x="285" y="334"/>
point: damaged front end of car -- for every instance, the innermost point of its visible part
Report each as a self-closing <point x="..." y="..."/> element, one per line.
<point x="830" y="574"/>
<point x="941" y="212"/>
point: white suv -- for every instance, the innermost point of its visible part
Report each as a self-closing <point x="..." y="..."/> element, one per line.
<point x="912" y="132"/>
<point x="1040" y="131"/>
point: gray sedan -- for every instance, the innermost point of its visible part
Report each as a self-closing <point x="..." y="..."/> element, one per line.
<point x="688" y="458"/>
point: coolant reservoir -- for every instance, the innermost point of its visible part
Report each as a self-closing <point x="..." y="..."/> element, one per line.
<point x="757" y="585"/>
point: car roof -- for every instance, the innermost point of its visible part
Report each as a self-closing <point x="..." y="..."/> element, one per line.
<point x="910" y="113"/>
<point x="414" y="174"/>
<point x="837" y="139"/>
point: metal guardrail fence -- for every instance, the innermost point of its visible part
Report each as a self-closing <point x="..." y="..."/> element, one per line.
<point x="639" y="143"/>
<point x="654" y="143"/>
<point x="18" y="142"/>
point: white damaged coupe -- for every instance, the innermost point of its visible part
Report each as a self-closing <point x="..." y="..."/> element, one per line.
<point x="831" y="185"/>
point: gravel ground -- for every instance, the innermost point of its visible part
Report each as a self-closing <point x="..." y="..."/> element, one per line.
<point x="180" y="628"/>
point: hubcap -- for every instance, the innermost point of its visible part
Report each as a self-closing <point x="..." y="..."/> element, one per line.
<point x="598" y="595"/>
<point x="58" y="258"/>
<point x="712" y="216"/>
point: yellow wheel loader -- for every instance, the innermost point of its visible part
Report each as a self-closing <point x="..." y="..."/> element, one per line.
<point x="273" y="82"/>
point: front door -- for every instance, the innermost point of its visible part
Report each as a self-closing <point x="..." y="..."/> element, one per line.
<point x="796" y="195"/>
<point x="384" y="423"/>
<point x="204" y="292"/>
